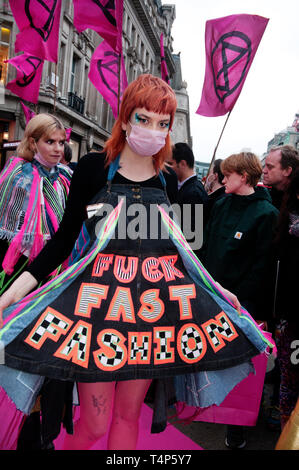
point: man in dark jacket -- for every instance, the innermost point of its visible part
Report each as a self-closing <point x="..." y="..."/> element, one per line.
<point x="280" y="164"/>
<point x="192" y="195"/>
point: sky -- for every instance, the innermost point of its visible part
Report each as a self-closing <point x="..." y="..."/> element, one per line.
<point x="269" y="98"/>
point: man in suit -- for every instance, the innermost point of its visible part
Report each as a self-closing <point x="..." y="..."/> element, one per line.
<point x="191" y="194"/>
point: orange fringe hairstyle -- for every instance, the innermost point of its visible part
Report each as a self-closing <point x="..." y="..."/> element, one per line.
<point x="147" y="92"/>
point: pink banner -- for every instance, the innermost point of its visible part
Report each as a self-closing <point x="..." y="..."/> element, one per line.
<point x="231" y="44"/>
<point x="29" y="74"/>
<point x="38" y="22"/>
<point x="68" y="131"/>
<point x="105" y="75"/>
<point x="103" y="16"/>
<point x="170" y="439"/>
<point x="164" y="71"/>
<point x="240" y="407"/>
<point x="28" y="113"/>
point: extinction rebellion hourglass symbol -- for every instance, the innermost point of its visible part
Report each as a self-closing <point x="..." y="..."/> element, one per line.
<point x="230" y="49"/>
<point x="29" y="69"/>
<point x="46" y="16"/>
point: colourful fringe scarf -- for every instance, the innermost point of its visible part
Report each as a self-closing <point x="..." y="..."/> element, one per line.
<point x="31" y="209"/>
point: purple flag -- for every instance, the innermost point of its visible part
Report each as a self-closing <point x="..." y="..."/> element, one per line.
<point x="103" y="16"/>
<point x="231" y="44"/>
<point x="29" y="74"/>
<point x="38" y="22"/>
<point x="29" y="114"/>
<point x="105" y="75"/>
<point x="164" y="71"/>
<point x="68" y="131"/>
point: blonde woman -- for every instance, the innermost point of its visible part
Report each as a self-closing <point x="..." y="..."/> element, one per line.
<point x="33" y="191"/>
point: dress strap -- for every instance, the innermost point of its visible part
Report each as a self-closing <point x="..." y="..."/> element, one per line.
<point x="161" y="176"/>
<point x="114" y="166"/>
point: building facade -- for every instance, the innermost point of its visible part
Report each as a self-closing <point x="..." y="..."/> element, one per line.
<point x="67" y="92"/>
<point x="289" y="136"/>
<point x="202" y="169"/>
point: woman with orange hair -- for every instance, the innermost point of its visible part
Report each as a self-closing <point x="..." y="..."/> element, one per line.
<point x="126" y="310"/>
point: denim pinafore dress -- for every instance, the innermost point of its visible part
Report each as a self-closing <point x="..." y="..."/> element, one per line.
<point x="138" y="308"/>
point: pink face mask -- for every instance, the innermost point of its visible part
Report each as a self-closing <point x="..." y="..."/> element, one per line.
<point x="44" y="162"/>
<point x="146" y="142"/>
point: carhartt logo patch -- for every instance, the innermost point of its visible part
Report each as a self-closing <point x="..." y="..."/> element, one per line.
<point x="238" y="235"/>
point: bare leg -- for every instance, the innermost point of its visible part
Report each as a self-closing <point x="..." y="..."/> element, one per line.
<point x="129" y="397"/>
<point x="95" y="406"/>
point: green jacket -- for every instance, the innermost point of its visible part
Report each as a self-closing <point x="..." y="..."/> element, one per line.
<point x="237" y="242"/>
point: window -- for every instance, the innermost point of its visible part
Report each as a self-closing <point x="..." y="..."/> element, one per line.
<point x="4" y="52"/>
<point x="61" y="65"/>
<point x="86" y="81"/>
<point x="75" y="100"/>
<point x="75" y="75"/>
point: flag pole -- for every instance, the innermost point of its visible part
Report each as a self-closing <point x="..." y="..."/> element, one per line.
<point x="215" y="150"/>
<point x="55" y="91"/>
<point x="119" y="75"/>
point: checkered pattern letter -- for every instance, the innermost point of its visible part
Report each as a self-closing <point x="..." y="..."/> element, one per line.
<point x="112" y="353"/>
<point x="77" y="344"/>
<point x="218" y="330"/>
<point x="164" y="353"/>
<point x="51" y="324"/>
<point x="191" y="343"/>
<point x="139" y="345"/>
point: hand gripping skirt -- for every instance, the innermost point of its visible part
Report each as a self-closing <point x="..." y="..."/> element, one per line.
<point x="134" y="303"/>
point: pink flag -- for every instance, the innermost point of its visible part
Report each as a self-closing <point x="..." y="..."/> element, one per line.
<point x="27" y="112"/>
<point x="103" y="16"/>
<point x="68" y="131"/>
<point x="29" y="74"/>
<point x="105" y="75"/>
<point x="38" y="22"/>
<point x="231" y="44"/>
<point x="164" y="71"/>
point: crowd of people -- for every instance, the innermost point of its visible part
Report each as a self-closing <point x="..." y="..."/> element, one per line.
<point x="60" y="266"/>
<point x="251" y="246"/>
